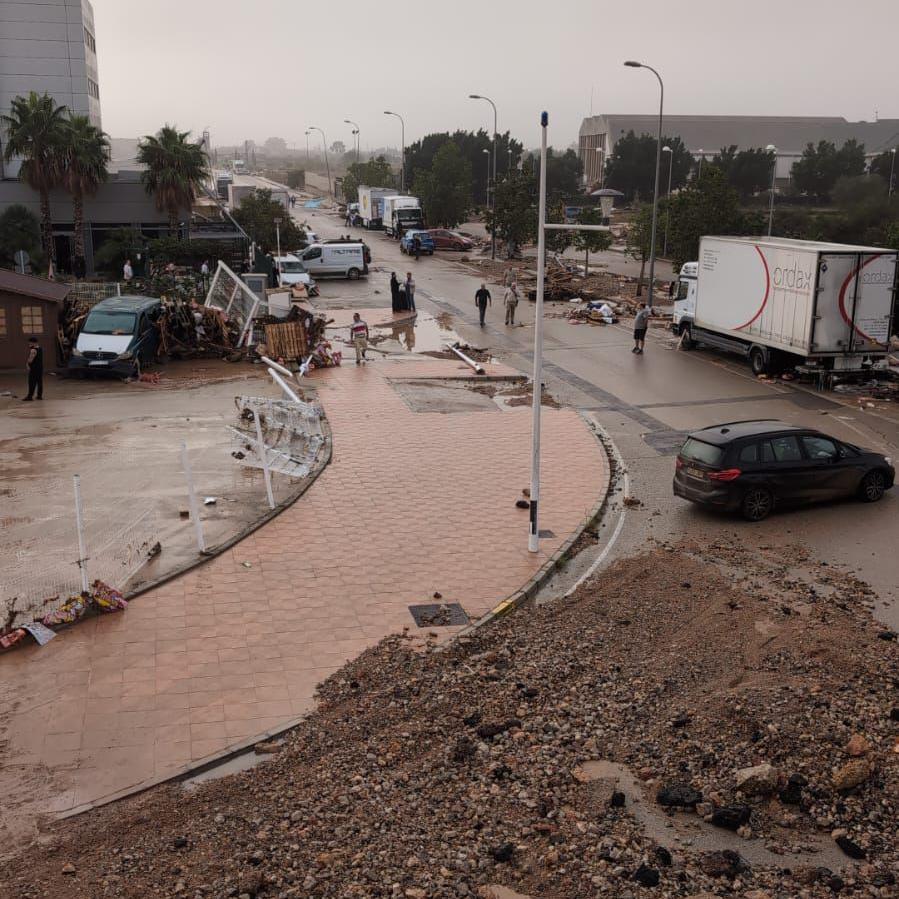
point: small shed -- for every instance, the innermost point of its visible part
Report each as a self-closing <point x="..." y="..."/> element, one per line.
<point x="29" y="307"/>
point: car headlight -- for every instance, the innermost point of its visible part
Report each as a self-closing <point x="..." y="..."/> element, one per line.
<point x="124" y="357"/>
<point x="888" y="460"/>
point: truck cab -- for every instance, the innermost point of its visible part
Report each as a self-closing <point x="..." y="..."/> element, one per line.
<point x="685" y="299"/>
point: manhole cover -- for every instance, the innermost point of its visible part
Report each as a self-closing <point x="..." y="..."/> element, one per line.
<point x="439" y="615"/>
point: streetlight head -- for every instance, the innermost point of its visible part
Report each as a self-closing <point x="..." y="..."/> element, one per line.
<point x="347" y="122"/>
<point x="771" y="148"/>
<point x="388" y="112"/>
<point x="486" y="151"/>
<point x="633" y="64"/>
<point x="474" y="96"/>
<point x="666" y="149"/>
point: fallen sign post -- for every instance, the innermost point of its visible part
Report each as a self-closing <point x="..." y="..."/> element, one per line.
<point x="277" y="367"/>
<point x="284" y="385"/>
<point x="479" y="369"/>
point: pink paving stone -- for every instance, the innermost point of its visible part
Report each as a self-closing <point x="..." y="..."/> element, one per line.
<point x="225" y="652"/>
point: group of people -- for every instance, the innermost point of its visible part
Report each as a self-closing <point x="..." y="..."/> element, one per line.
<point x="402" y="293"/>
<point x="511" y="296"/>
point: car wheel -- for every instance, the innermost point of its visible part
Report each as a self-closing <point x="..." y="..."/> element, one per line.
<point x="757" y="504"/>
<point x="686" y="339"/>
<point x="757" y="361"/>
<point x="872" y="487"/>
<point x="353" y="274"/>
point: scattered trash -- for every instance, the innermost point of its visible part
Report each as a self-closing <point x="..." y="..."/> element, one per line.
<point x="210" y="500"/>
<point x="184" y="513"/>
<point x="522" y="504"/>
<point x="246" y="564"/>
<point x="631" y="502"/>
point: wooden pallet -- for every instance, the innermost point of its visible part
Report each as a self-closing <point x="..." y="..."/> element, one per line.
<point x="286" y="339"/>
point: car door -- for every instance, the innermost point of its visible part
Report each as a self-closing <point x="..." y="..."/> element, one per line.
<point x="312" y="260"/>
<point x="789" y="472"/>
<point x="833" y="474"/>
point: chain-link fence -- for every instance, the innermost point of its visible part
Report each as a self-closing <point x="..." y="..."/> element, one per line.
<point x="229" y="294"/>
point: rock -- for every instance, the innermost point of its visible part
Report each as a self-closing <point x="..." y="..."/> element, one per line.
<point x="887" y="635"/>
<point x="851" y="848"/>
<point x="250" y="882"/>
<point x="415" y="893"/>
<point x="646" y="876"/>
<point x="894" y="713"/>
<point x="757" y="894"/>
<point x="725" y="863"/>
<point x="791" y="794"/>
<point x="857" y="746"/>
<point x="680" y="721"/>
<point x="835" y="883"/>
<point x="179" y="842"/>
<point x="731" y="817"/>
<point x="851" y="775"/>
<point x="678" y="795"/>
<point x="266" y="748"/>
<point x="503" y="852"/>
<point x="759" y="780"/>
<point x="662" y="857"/>
<point x="68" y="868"/>
<point x="489" y="731"/>
<point x="617" y="799"/>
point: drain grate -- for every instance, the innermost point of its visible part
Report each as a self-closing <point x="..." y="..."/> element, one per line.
<point x="439" y="614"/>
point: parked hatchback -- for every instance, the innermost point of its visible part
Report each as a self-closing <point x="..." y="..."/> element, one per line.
<point x="754" y="466"/>
<point x="449" y="240"/>
<point x="427" y="243"/>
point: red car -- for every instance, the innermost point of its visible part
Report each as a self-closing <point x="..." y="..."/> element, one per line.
<point x="449" y="240"/>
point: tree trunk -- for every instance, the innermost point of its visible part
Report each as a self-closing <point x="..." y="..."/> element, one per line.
<point x="586" y="262"/>
<point x="640" y="279"/>
<point x="47" y="227"/>
<point x="78" y="221"/>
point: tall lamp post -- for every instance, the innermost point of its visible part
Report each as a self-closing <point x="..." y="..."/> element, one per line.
<point x="892" y="169"/>
<point x="670" y="153"/>
<point x="307" y="146"/>
<point x="493" y="204"/>
<point x="772" y="149"/>
<point x="277" y="222"/>
<point x="701" y="157"/>
<point x="655" y="196"/>
<point x="327" y="164"/>
<point x="487" y="190"/>
<point x="403" y="151"/>
<point x="355" y="135"/>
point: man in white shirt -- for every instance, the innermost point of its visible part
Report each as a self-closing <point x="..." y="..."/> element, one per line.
<point x="127" y="271"/>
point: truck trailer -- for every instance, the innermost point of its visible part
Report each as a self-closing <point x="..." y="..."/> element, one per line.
<point x="819" y="307"/>
<point x="402" y="213"/>
<point x="371" y="205"/>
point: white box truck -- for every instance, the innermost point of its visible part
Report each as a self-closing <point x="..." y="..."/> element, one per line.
<point x="371" y="205"/>
<point x="402" y="212"/>
<point x="780" y="302"/>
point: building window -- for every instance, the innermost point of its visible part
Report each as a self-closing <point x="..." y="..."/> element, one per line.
<point x="3" y="321"/>
<point x="93" y="89"/>
<point x="89" y="41"/>
<point x="32" y="320"/>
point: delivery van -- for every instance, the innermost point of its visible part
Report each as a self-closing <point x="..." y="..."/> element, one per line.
<point x="292" y="271"/>
<point x="120" y="336"/>
<point x="340" y="260"/>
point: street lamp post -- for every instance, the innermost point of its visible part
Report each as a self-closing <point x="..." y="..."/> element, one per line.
<point x="493" y="206"/>
<point x="670" y="153"/>
<point x="403" y="151"/>
<point x="655" y="196"/>
<point x="701" y="157"/>
<point x="772" y="149"/>
<point x="487" y="189"/>
<point x="307" y="147"/>
<point x="327" y="164"/>
<point x="277" y="222"/>
<point x="355" y="135"/>
<point x="892" y="169"/>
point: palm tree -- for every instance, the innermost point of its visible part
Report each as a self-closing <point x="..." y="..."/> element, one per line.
<point x="175" y="169"/>
<point x="35" y="128"/>
<point x="86" y="154"/>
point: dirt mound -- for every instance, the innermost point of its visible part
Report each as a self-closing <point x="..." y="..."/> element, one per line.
<point x="435" y="773"/>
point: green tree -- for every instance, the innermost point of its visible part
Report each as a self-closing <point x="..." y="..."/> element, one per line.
<point x="710" y="206"/>
<point x="885" y="166"/>
<point x="86" y="155"/>
<point x="591" y="241"/>
<point x="19" y="230"/>
<point x="374" y="173"/>
<point x="515" y="218"/>
<point x="119" y="244"/>
<point x="256" y="215"/>
<point x="638" y="240"/>
<point x="817" y="171"/>
<point x="35" y="131"/>
<point x="631" y="168"/>
<point x="563" y="174"/>
<point x="748" y="171"/>
<point x="445" y="190"/>
<point x="558" y="241"/>
<point x="176" y="168"/>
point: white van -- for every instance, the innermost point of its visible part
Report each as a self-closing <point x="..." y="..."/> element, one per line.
<point x="293" y="271"/>
<point x="343" y="260"/>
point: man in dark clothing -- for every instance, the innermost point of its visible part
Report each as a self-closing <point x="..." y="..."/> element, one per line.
<point x="416" y="247"/>
<point x="35" y="367"/>
<point x="481" y="299"/>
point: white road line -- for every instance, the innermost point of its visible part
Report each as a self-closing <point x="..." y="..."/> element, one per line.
<point x="626" y="485"/>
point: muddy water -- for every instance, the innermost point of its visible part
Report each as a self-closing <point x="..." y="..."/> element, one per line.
<point x="424" y="333"/>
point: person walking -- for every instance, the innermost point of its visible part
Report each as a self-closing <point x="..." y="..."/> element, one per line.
<point x="204" y="273"/>
<point x="481" y="299"/>
<point x="641" y="323"/>
<point x="410" y="292"/>
<point x="127" y="271"/>
<point x="416" y="246"/>
<point x="510" y="300"/>
<point x="34" y="365"/>
<point x="359" y="335"/>
<point x="395" y="293"/>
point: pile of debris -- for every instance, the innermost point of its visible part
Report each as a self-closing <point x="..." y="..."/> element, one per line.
<point x="696" y="721"/>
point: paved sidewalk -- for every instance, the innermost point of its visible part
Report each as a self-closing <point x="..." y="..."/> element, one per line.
<point x="412" y="503"/>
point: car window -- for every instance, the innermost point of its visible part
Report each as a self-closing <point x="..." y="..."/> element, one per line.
<point x="749" y="453"/>
<point x="699" y="451"/>
<point x="820" y="448"/>
<point x="786" y="449"/>
<point x="313" y="253"/>
<point x="765" y="452"/>
<point x="683" y="289"/>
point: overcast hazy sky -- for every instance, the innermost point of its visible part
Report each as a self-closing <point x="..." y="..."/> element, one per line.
<point x="258" y="68"/>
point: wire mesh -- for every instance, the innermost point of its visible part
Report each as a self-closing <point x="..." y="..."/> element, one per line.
<point x="229" y="294"/>
<point x="91" y="292"/>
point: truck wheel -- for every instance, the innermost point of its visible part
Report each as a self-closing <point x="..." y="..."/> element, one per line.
<point x="686" y="338"/>
<point x="353" y="274"/>
<point x="757" y="361"/>
<point x="757" y="504"/>
<point x="872" y="487"/>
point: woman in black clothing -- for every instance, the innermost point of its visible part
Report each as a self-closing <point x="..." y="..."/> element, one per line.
<point x="395" y="293"/>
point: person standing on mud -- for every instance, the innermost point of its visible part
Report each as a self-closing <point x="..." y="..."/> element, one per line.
<point x="34" y="364"/>
<point x="359" y="335"/>
<point x="410" y="292"/>
<point x="481" y="299"/>
<point x="510" y="300"/>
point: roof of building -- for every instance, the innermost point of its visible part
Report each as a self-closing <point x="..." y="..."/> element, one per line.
<point x="787" y="133"/>
<point x="30" y="286"/>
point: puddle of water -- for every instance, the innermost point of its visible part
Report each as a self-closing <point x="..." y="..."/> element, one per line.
<point x="423" y="334"/>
